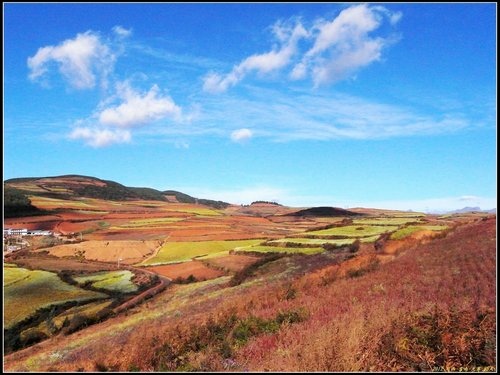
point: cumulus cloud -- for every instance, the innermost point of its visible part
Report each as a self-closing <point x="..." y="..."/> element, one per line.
<point x="100" y="137"/>
<point x="137" y="109"/>
<point x="119" y="114"/>
<point x="261" y="63"/>
<point x="345" y="44"/>
<point x="241" y="135"/>
<point x="80" y="60"/>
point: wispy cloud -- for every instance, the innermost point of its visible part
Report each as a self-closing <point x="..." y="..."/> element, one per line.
<point x="241" y="135"/>
<point x="302" y="115"/>
<point x="100" y="137"/>
<point x="287" y="197"/>
<point x="81" y="60"/>
<point x="121" y="31"/>
<point x="340" y="48"/>
<point x="267" y="62"/>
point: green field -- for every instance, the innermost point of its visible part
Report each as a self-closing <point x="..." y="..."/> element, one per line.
<point x="354" y="231"/>
<point x="116" y="281"/>
<point x="148" y="223"/>
<point x="405" y="232"/>
<point x="314" y="242"/>
<point x="197" y="211"/>
<point x="26" y="291"/>
<point x="53" y="202"/>
<point x="386" y="221"/>
<point x="276" y="249"/>
<point x="174" y="252"/>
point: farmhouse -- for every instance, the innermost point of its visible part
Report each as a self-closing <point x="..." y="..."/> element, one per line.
<point x="15" y="232"/>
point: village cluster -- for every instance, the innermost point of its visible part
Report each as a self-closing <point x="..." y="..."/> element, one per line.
<point x="13" y="239"/>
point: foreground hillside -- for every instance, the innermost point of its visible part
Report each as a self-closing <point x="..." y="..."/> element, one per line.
<point x="415" y="302"/>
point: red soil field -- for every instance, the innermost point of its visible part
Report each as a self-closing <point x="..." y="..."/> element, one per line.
<point x="199" y="270"/>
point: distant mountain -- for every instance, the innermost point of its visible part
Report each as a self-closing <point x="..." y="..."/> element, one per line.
<point x="325" y="212"/>
<point x="269" y="203"/>
<point x="69" y="186"/>
<point x="184" y="198"/>
<point x="472" y="209"/>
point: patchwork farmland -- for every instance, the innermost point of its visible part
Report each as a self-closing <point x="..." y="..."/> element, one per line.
<point x="183" y="286"/>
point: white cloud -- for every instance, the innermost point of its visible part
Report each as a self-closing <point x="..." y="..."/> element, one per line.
<point x="125" y="110"/>
<point x="79" y="60"/>
<point x="100" y="137"/>
<point x="245" y="195"/>
<point x="302" y="115"/>
<point x="287" y="197"/>
<point x="241" y="135"/>
<point x="136" y="109"/>
<point x="122" y="32"/>
<point x="344" y="45"/>
<point x="340" y="47"/>
<point x="262" y="63"/>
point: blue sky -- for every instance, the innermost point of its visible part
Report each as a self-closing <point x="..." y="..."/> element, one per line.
<point x="374" y="105"/>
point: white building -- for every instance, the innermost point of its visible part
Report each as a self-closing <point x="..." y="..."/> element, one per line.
<point x="15" y="232"/>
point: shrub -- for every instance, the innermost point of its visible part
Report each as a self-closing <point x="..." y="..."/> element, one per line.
<point x="354" y="247"/>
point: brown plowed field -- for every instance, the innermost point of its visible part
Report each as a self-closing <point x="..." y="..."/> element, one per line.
<point x="199" y="270"/>
<point x="108" y="251"/>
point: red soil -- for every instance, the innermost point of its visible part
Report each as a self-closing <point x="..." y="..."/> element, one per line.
<point x="199" y="270"/>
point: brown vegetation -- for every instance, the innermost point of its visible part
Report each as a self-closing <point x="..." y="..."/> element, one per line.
<point x="183" y="270"/>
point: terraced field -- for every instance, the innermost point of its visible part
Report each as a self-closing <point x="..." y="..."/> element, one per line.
<point x="115" y="281"/>
<point x="26" y="291"/>
<point x="174" y="252"/>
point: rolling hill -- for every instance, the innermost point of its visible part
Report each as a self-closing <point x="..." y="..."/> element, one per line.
<point x="70" y="186"/>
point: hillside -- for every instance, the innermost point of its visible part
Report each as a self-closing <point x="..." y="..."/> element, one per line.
<point x="431" y="308"/>
<point x="71" y="186"/>
<point x="16" y="203"/>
